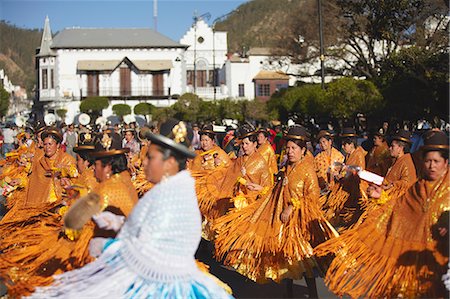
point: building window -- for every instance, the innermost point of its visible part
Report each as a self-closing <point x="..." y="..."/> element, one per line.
<point x="44" y="79"/>
<point x="190" y="77"/>
<point x="282" y="86"/>
<point x="158" y="84"/>
<point x="52" y="78"/>
<point x="263" y="90"/>
<point x="241" y="90"/>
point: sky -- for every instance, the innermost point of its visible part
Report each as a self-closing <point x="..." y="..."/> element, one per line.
<point x="174" y="16"/>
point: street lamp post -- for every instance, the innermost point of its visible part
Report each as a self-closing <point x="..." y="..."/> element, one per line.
<point x="214" y="57"/>
<point x="322" y="56"/>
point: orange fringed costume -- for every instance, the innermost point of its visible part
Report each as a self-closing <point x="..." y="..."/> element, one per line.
<point x="218" y="189"/>
<point x="399" y="178"/>
<point x="343" y="198"/>
<point x="266" y="150"/>
<point x="322" y="163"/>
<point x="397" y="251"/>
<point x="33" y="254"/>
<point x="258" y="245"/>
<point x="204" y="161"/>
<point x="379" y="159"/>
<point x="44" y="182"/>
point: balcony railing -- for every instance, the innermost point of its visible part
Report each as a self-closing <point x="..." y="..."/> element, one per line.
<point x="119" y="92"/>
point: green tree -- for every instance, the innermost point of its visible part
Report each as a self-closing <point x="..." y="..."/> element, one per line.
<point x="256" y="110"/>
<point x="121" y="109"/>
<point x="4" y="101"/>
<point x="94" y="106"/>
<point x="61" y="113"/>
<point x="231" y="109"/>
<point x="143" y="109"/>
<point x="347" y="96"/>
<point x="187" y="107"/>
<point x="306" y="100"/>
<point x="414" y="83"/>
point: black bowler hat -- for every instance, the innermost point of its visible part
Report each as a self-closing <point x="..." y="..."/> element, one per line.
<point x="107" y="145"/>
<point x="380" y="132"/>
<point x="207" y="129"/>
<point x="324" y="133"/>
<point x="143" y="133"/>
<point x="435" y="140"/>
<point x="53" y="133"/>
<point x="174" y="135"/>
<point x="348" y="132"/>
<point x="297" y="132"/>
<point x="246" y="130"/>
<point x="402" y="135"/>
<point x="85" y="143"/>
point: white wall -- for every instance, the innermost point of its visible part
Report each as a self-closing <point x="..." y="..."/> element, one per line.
<point x="67" y="82"/>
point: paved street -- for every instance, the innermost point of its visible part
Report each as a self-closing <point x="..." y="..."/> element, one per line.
<point x="245" y="288"/>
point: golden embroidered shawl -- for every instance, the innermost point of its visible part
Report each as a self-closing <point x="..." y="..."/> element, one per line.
<point x="397" y="252"/>
<point x="346" y="193"/>
<point x="266" y="150"/>
<point x="322" y="163"/>
<point x="205" y="160"/>
<point x="226" y="183"/>
<point x="255" y="242"/>
<point x="34" y="248"/>
<point x="379" y="159"/>
<point x="44" y="188"/>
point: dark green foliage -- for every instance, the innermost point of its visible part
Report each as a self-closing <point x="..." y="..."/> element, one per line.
<point x="415" y="84"/>
<point x="143" y="109"/>
<point x="121" y="109"/>
<point x="343" y="98"/>
<point x="61" y="113"/>
<point x="4" y="101"/>
<point x="94" y="104"/>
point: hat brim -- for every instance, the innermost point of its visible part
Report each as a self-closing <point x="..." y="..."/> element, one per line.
<point x="247" y="135"/>
<point x="114" y="152"/>
<point x="324" y="135"/>
<point x="349" y="135"/>
<point x="202" y="132"/>
<point x="400" y="138"/>
<point x="83" y="148"/>
<point x="296" y="137"/>
<point x="52" y="133"/>
<point x="435" y="147"/>
<point x="169" y="143"/>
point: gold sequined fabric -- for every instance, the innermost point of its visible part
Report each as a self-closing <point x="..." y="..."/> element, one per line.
<point x="379" y="159"/>
<point x="398" y="251"/>
<point x="255" y="242"/>
<point x="322" y="163"/>
<point x="266" y="150"/>
<point x="43" y="184"/>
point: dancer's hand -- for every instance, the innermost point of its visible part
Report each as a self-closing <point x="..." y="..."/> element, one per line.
<point x="286" y="214"/>
<point x="374" y="191"/>
<point x="96" y="246"/>
<point x="254" y="187"/>
<point x="109" y="221"/>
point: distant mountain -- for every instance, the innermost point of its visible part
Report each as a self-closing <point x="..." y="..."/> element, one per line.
<point x="259" y="23"/>
<point x="17" y="50"/>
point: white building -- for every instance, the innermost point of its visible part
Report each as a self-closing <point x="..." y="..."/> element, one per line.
<point x="125" y="65"/>
<point x="204" y="58"/>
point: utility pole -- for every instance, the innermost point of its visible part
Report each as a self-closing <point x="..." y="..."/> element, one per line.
<point x="322" y="56"/>
<point x="155" y="15"/>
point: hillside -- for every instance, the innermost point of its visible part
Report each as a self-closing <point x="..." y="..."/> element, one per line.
<point x="17" y="50"/>
<point x="258" y="23"/>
